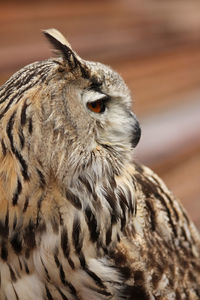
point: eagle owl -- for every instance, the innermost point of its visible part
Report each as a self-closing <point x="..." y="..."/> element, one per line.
<point x="79" y="219"/>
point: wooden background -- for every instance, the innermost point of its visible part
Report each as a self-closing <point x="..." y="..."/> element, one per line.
<point x="154" y="45"/>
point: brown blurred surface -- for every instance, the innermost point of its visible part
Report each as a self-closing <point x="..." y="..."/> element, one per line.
<point x="154" y="45"/>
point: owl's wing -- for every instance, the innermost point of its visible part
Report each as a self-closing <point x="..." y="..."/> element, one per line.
<point x="159" y="253"/>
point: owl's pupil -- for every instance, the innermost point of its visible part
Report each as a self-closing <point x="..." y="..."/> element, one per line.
<point x="94" y="104"/>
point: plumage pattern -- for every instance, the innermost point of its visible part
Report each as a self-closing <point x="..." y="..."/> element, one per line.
<point x="78" y="218"/>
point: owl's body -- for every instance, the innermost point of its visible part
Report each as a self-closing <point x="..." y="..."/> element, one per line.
<point x="78" y="218"/>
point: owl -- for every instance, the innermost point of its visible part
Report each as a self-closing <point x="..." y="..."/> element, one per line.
<point x="79" y="219"/>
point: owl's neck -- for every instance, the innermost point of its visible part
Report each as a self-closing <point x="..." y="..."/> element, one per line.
<point x="91" y="212"/>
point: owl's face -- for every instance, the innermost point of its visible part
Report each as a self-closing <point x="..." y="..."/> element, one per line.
<point x="81" y="115"/>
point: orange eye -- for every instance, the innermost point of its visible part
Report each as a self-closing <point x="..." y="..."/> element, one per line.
<point x="97" y="106"/>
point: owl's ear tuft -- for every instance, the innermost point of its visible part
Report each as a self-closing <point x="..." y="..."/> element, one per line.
<point x="61" y="45"/>
<point x="57" y="40"/>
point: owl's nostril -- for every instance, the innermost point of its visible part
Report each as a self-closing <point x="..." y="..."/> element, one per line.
<point x="136" y="134"/>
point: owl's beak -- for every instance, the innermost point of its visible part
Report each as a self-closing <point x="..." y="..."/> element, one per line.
<point x="136" y="132"/>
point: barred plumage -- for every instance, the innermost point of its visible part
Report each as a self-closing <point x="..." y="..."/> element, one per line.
<point x="78" y="218"/>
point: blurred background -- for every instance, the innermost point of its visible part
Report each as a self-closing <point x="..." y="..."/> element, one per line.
<point x="154" y="45"/>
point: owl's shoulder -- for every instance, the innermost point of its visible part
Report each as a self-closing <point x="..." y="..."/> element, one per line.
<point x="159" y="244"/>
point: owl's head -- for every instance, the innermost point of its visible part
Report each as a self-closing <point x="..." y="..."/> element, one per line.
<point x="69" y="114"/>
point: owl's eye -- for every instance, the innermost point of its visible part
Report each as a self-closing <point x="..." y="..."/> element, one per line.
<point x="98" y="106"/>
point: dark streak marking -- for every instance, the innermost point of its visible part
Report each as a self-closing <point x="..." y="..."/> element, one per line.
<point x="56" y="260"/>
<point x="60" y="64"/>
<point x="123" y="218"/>
<point x="26" y="204"/>
<point x="82" y="260"/>
<point x="172" y="204"/>
<point x="71" y="263"/>
<point x="21" y="137"/>
<point x="30" y="126"/>
<point x="3" y="230"/>
<point x="46" y="271"/>
<point x="17" y="297"/>
<point x="97" y="280"/>
<point x="122" y="197"/>
<point x="27" y="79"/>
<point x="84" y="71"/>
<point x="4" y="227"/>
<point x="4" y="149"/>
<point x="186" y="217"/>
<point x="23" y="113"/>
<point x="17" y="192"/>
<point x="130" y="201"/>
<point x="64" y="242"/>
<point x="23" y="80"/>
<point x="111" y="199"/>
<point x="148" y="188"/>
<point x="74" y="200"/>
<point x="86" y="183"/>
<point x="66" y="283"/>
<point x="19" y="94"/>
<point x="15" y="222"/>
<point x="10" y="127"/>
<point x="20" y="264"/>
<point x="184" y="233"/>
<point x="14" y="150"/>
<point x="29" y="235"/>
<point x="62" y="295"/>
<point x="26" y="267"/>
<point x="108" y="236"/>
<point x="60" y="218"/>
<point x="12" y="274"/>
<point x="92" y="224"/>
<point x="8" y="105"/>
<point x="42" y="178"/>
<point x="16" y="242"/>
<point x="15" y="81"/>
<point x="4" y="251"/>
<point x="62" y="275"/>
<point x="76" y="235"/>
<point x="49" y="296"/>
<point x="39" y="203"/>
<point x="152" y="214"/>
<point x="65" y="246"/>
